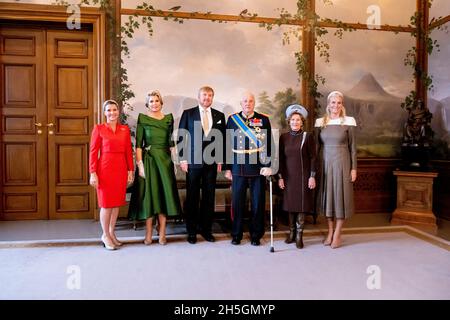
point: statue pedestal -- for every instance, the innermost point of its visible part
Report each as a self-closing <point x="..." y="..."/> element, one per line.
<point x="415" y="200"/>
<point x="415" y="157"/>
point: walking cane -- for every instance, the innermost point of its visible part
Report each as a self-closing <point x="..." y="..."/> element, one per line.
<point x="271" y="215"/>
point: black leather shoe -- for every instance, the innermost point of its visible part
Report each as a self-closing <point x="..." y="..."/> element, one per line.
<point x="208" y="237"/>
<point x="235" y="241"/>
<point x="192" y="238"/>
<point x="255" y="242"/>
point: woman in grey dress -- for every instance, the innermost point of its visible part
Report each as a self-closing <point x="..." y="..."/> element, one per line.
<point x="297" y="172"/>
<point x="335" y="138"/>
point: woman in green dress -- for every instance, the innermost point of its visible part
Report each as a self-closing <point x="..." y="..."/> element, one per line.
<point x="155" y="191"/>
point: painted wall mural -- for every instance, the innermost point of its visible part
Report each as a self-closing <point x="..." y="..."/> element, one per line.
<point x="230" y="57"/>
<point x="367" y="66"/>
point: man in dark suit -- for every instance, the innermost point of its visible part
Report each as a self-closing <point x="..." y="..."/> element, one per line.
<point x="202" y="133"/>
<point x="249" y="135"/>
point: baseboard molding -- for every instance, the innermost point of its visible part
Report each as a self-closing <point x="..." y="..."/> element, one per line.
<point x="225" y="236"/>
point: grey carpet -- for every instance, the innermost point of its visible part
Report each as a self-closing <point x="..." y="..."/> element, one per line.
<point x="410" y="269"/>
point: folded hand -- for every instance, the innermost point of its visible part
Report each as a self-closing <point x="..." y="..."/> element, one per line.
<point x="141" y="171"/>
<point x="93" y="181"/>
<point x="130" y="178"/>
<point x="265" y="172"/>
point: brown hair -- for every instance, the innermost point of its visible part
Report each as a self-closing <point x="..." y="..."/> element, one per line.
<point x="108" y="102"/>
<point x="288" y="119"/>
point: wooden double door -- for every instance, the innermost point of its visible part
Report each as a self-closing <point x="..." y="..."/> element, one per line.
<point x="46" y="120"/>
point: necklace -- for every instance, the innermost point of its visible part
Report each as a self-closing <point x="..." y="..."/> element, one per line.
<point x="295" y="133"/>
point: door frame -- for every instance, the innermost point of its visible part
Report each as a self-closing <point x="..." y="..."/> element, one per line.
<point x="54" y="13"/>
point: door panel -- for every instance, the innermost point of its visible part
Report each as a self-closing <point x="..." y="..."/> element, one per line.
<point x="18" y="44"/>
<point x="71" y="164"/>
<point x="70" y="114"/>
<point x="16" y="124"/>
<point x="19" y="170"/>
<point x="19" y="203"/>
<point x="71" y="82"/>
<point x="23" y="142"/>
<point x="46" y="119"/>
<point x="71" y="47"/>
<point x="66" y="125"/>
<point x="23" y="95"/>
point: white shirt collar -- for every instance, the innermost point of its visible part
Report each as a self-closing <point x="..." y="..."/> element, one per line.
<point x="204" y="109"/>
<point x="247" y="117"/>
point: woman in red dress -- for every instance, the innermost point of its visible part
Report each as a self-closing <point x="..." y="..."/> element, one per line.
<point x="111" y="168"/>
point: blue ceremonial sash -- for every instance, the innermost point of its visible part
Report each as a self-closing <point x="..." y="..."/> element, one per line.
<point x="248" y="132"/>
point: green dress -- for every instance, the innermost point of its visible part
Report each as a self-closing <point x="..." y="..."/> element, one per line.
<point x="158" y="192"/>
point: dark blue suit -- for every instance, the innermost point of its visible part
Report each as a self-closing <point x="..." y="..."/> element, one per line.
<point x="202" y="171"/>
<point x="245" y="158"/>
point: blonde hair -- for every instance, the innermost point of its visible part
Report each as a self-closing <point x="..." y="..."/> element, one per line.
<point x="206" y="89"/>
<point x="154" y="93"/>
<point x="326" y="117"/>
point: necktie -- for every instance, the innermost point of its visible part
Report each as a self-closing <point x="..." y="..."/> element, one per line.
<point x="205" y="122"/>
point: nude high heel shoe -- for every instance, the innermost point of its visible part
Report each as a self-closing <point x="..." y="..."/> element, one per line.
<point x="336" y="244"/>
<point x="162" y="240"/>
<point x="326" y="242"/>
<point x="107" y="245"/>
<point x="116" y="242"/>
<point x="148" y="242"/>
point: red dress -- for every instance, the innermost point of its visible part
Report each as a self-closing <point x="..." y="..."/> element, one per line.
<point x="111" y="164"/>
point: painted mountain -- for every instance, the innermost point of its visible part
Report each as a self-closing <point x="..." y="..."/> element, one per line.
<point x="440" y="123"/>
<point x="379" y="117"/>
<point x="445" y="112"/>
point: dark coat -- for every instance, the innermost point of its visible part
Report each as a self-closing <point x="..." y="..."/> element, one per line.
<point x="297" y="165"/>
<point x="193" y="145"/>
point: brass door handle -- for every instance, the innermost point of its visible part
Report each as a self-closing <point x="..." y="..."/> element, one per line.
<point x="50" y="125"/>
<point x="38" y="124"/>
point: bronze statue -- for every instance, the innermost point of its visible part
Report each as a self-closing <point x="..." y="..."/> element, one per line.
<point x="417" y="137"/>
<point x="417" y="131"/>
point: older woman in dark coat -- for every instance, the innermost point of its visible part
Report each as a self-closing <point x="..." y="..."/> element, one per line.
<point x="297" y="172"/>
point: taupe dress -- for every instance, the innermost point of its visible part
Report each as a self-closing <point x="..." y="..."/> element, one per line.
<point x="337" y="149"/>
<point x="297" y="165"/>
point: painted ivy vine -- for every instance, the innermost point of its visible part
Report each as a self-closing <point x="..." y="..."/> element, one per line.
<point x="312" y="20"/>
<point x="134" y="22"/>
<point x="312" y="23"/>
<point x="411" y="57"/>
